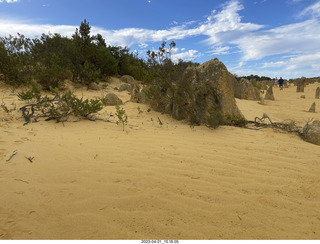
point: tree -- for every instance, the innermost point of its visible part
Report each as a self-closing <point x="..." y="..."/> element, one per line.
<point x="85" y="32"/>
<point x="15" y="59"/>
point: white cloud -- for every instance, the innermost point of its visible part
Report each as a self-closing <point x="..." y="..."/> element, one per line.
<point x="313" y="10"/>
<point x="226" y="25"/>
<point x="143" y="45"/>
<point x="297" y="38"/>
<point x="186" y="56"/>
<point x="220" y="50"/>
<point x="9" y="27"/>
<point x="9" y="1"/>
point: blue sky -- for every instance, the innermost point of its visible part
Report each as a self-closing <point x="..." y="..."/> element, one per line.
<point x="265" y="37"/>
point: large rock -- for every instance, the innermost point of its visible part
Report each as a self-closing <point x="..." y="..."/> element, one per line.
<point x="202" y="95"/>
<point x="311" y="133"/>
<point x="137" y="94"/>
<point x="111" y="99"/>
<point x="244" y="89"/>
<point x="269" y="94"/>
<point x="125" y="87"/>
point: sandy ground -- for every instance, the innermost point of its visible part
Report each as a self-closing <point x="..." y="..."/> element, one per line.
<point x="91" y="180"/>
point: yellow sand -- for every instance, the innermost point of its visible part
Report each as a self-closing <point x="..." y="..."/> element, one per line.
<point x="91" y="180"/>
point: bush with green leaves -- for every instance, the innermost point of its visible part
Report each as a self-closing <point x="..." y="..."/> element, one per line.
<point x="122" y="116"/>
<point x="60" y="107"/>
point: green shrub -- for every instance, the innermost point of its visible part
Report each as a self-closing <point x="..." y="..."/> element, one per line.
<point x="122" y="116"/>
<point x="60" y="107"/>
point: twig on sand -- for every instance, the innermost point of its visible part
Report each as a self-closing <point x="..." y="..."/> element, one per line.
<point x="30" y="159"/>
<point x="14" y="153"/>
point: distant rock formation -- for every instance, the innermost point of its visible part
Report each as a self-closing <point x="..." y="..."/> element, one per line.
<point x="244" y="89"/>
<point x="300" y="83"/>
<point x="318" y="93"/>
<point x="269" y="94"/>
<point x="202" y="95"/>
<point x="311" y="133"/>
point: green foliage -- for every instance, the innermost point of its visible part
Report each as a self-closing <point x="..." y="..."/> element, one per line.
<point x="252" y="77"/>
<point x="15" y="59"/>
<point x="239" y="122"/>
<point x="28" y="96"/>
<point x="32" y="94"/>
<point x="139" y="110"/>
<point x="5" y="108"/>
<point x="60" y="107"/>
<point x="88" y="73"/>
<point x="122" y="116"/>
<point x="80" y="107"/>
<point x="50" y="72"/>
<point x="214" y="121"/>
<point x="51" y="59"/>
<point x="160" y="122"/>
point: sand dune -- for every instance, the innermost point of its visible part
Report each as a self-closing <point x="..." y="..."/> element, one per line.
<point x="91" y="180"/>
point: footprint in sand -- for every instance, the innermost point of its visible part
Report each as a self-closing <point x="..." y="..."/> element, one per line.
<point x="23" y="139"/>
<point x="18" y="142"/>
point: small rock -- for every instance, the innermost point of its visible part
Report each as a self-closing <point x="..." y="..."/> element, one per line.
<point x="94" y="86"/>
<point x="313" y="108"/>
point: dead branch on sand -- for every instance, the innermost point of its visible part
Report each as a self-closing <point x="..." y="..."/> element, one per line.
<point x="286" y="125"/>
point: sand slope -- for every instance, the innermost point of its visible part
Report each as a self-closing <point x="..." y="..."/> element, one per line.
<point x="91" y="180"/>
